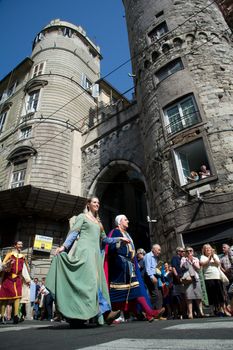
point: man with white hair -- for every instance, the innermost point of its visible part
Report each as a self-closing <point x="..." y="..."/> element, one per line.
<point x="151" y="261"/>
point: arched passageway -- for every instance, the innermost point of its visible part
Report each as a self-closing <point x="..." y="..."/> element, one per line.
<point x="121" y="190"/>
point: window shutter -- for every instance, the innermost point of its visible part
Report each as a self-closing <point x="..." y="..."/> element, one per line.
<point x="95" y="90"/>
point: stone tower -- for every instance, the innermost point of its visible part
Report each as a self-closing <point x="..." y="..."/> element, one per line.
<point x="182" y="60"/>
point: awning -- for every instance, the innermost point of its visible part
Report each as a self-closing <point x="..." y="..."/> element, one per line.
<point x="209" y="234"/>
<point x="29" y="200"/>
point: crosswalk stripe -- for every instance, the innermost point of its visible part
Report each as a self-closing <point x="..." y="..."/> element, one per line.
<point x="163" y="344"/>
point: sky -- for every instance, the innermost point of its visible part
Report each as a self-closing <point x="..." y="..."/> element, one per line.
<point x="103" y="21"/>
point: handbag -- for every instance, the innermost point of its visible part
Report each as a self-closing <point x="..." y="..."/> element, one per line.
<point x="186" y="279"/>
<point x="223" y="277"/>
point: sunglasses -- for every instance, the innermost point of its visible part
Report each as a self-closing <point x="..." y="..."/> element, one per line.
<point x="189" y="250"/>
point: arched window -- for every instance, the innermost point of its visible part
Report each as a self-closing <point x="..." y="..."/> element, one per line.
<point x="19" y="160"/>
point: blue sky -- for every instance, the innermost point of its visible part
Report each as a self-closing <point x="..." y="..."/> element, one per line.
<point x="103" y="21"/>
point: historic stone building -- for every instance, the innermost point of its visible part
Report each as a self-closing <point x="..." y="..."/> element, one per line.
<point x="66" y="134"/>
<point x="62" y="130"/>
<point x="182" y="58"/>
<point x="226" y="6"/>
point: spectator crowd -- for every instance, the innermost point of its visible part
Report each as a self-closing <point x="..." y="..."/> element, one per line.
<point x="188" y="286"/>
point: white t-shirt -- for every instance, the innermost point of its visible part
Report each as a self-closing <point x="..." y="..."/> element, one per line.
<point x="44" y="290"/>
<point x="211" y="271"/>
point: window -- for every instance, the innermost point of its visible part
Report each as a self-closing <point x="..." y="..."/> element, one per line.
<point x="158" y="31"/>
<point x="32" y="101"/>
<point x="25" y="133"/>
<point x="18" y="176"/>
<point x="169" y="69"/>
<point x="2" y="120"/>
<point x="181" y="115"/>
<point x="38" y="38"/>
<point x="67" y="32"/>
<point x="11" y="89"/>
<point x="38" y="69"/>
<point x="189" y="158"/>
<point x="3" y="96"/>
<point x="159" y="14"/>
<point x="86" y="83"/>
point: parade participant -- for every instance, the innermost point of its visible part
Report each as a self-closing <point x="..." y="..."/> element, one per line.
<point x="11" y="288"/>
<point x="126" y="287"/>
<point x="76" y="280"/>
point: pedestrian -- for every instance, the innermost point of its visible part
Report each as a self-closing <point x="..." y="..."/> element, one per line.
<point x="11" y="288"/>
<point x="34" y="298"/>
<point x="47" y="303"/>
<point x="193" y="290"/>
<point x="211" y="268"/>
<point x="76" y="280"/>
<point x="178" y="292"/>
<point x="125" y="283"/>
<point x="140" y="259"/>
<point x="227" y="268"/>
<point x="167" y="290"/>
<point x="152" y="275"/>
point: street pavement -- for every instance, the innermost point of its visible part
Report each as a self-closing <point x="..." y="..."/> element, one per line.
<point x="198" y="334"/>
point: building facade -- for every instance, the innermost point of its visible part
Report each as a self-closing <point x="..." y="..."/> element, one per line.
<point x="62" y="129"/>
<point x="182" y="59"/>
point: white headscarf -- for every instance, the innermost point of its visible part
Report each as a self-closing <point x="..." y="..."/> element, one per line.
<point x="118" y="219"/>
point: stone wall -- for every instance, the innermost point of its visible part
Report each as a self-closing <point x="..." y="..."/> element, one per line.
<point x="117" y="138"/>
<point x="198" y="35"/>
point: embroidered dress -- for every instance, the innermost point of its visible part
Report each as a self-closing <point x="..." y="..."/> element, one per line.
<point x="11" y="287"/>
<point x="123" y="273"/>
<point x="76" y="280"/>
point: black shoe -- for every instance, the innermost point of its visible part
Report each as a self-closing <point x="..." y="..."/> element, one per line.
<point x="77" y="324"/>
<point x="112" y="316"/>
<point x="3" y="321"/>
<point x="15" y="320"/>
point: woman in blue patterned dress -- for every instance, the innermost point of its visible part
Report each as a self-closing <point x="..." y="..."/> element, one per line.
<point x="126" y="287"/>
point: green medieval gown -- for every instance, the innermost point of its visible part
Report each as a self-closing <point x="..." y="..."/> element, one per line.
<point x="76" y="280"/>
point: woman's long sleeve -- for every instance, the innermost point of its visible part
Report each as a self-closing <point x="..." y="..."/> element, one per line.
<point x="73" y="235"/>
<point x="110" y="240"/>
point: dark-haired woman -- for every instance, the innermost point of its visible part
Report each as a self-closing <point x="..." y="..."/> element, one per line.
<point x="76" y="280"/>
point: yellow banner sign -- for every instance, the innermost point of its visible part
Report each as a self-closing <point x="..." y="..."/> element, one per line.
<point x="43" y="243"/>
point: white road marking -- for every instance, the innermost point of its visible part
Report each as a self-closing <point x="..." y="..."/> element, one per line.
<point x="20" y="328"/>
<point x="208" y="325"/>
<point x="164" y="344"/>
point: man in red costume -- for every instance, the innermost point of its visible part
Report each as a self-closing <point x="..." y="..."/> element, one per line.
<point x="11" y="288"/>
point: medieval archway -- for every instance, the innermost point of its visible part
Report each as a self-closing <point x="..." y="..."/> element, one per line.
<point x="121" y="189"/>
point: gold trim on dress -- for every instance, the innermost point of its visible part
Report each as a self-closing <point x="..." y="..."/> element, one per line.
<point x="124" y="286"/>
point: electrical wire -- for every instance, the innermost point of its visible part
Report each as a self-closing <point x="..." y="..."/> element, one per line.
<point x="131" y="58"/>
<point x="107" y="105"/>
<point x="117" y="68"/>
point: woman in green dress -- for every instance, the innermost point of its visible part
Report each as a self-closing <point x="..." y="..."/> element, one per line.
<point x="76" y="280"/>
